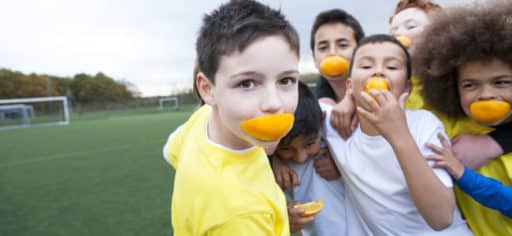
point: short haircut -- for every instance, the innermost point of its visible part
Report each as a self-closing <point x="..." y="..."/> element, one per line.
<point x="233" y="27"/>
<point x="336" y="16"/>
<point x="382" y="38"/>
<point x="308" y="116"/>
<point x="463" y="34"/>
<point x="427" y="6"/>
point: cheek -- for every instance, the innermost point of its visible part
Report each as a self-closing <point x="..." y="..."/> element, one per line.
<point x="465" y="100"/>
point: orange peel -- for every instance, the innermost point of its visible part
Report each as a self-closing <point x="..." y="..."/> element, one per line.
<point x="489" y="111"/>
<point x="310" y="208"/>
<point x="268" y="127"/>
<point x="333" y="66"/>
<point x="404" y="40"/>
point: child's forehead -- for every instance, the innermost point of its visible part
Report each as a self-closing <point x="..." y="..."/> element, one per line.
<point x="335" y="28"/>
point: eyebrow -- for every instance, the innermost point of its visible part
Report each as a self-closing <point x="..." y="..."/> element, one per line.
<point x="256" y="74"/>
<point x="487" y="78"/>
<point x="337" y="40"/>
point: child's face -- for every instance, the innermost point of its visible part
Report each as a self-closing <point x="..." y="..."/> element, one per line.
<point x="383" y="59"/>
<point x="300" y="149"/>
<point x="410" y="22"/>
<point x="484" y="80"/>
<point x="333" y="39"/>
<point x="260" y="80"/>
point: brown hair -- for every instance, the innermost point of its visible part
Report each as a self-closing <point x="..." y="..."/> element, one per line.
<point x="426" y="5"/>
<point x="464" y="34"/>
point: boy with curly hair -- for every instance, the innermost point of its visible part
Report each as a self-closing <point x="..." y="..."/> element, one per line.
<point x="465" y="61"/>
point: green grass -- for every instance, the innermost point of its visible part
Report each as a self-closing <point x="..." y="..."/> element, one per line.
<point x="101" y="175"/>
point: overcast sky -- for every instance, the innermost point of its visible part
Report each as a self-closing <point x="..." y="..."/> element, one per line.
<point x="149" y="43"/>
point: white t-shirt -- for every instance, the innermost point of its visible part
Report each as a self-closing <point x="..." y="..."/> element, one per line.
<point x="374" y="181"/>
<point x="336" y="214"/>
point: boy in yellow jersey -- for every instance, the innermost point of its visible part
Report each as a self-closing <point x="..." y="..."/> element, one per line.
<point x="248" y="58"/>
<point x="462" y="69"/>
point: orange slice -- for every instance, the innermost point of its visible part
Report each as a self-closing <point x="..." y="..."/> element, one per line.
<point x="268" y="127"/>
<point x="404" y="40"/>
<point x="377" y="83"/>
<point x="310" y="208"/>
<point x="333" y="66"/>
<point x="489" y="111"/>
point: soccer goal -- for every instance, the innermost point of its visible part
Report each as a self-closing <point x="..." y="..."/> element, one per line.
<point x="173" y="101"/>
<point x="29" y="112"/>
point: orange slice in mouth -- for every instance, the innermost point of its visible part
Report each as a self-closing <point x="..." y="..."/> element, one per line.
<point x="404" y="40"/>
<point x="268" y="127"/>
<point x="489" y="111"/>
<point x="376" y="83"/>
<point x="333" y="66"/>
<point x="310" y="208"/>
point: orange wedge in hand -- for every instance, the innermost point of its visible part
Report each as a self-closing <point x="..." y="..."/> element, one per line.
<point x="333" y="66"/>
<point x="489" y="111"/>
<point x="310" y="208"/>
<point x="268" y="127"/>
<point x="404" y="40"/>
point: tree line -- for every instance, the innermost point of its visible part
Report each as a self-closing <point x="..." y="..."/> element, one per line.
<point x="80" y="89"/>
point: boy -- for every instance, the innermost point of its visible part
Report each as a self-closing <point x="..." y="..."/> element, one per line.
<point x="299" y="149"/>
<point x="334" y="32"/>
<point x="248" y="59"/>
<point x="387" y="178"/>
<point x="472" y="63"/>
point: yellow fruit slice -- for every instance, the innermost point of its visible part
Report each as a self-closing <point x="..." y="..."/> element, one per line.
<point x="377" y="83"/>
<point x="489" y="111"/>
<point x="268" y="127"/>
<point x="334" y="66"/>
<point x="404" y="40"/>
<point x="310" y="208"/>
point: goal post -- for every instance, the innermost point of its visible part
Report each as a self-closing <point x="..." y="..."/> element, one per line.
<point x="29" y="112"/>
<point x="172" y="100"/>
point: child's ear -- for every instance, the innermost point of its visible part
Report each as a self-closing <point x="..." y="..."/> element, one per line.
<point x="205" y="88"/>
<point x="348" y="83"/>
<point x="408" y="86"/>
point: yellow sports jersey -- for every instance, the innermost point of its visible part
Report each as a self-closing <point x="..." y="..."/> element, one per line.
<point x="482" y="221"/>
<point x="218" y="191"/>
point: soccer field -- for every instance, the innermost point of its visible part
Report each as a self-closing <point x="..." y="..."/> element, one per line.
<point x="103" y="174"/>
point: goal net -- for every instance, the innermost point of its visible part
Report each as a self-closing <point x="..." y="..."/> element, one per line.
<point x="28" y="112"/>
<point x="170" y="102"/>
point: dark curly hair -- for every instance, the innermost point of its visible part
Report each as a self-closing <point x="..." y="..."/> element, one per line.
<point x="464" y="34"/>
<point x="426" y="5"/>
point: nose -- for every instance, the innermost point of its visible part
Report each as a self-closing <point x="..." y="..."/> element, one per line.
<point x="487" y="93"/>
<point x="271" y="101"/>
<point x="301" y="156"/>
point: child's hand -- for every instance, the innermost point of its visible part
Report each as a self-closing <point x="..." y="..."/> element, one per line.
<point x="325" y="165"/>
<point x="445" y="158"/>
<point x="285" y="175"/>
<point x="384" y="112"/>
<point x="475" y="151"/>
<point x="296" y="221"/>
<point x="343" y="116"/>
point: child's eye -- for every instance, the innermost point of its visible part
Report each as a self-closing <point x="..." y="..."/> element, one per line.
<point x="246" y="84"/>
<point x="503" y="82"/>
<point x="288" y="81"/>
<point x="322" y="48"/>
<point x="392" y="68"/>
<point x="468" y="85"/>
<point x="343" y="45"/>
<point x="365" y="66"/>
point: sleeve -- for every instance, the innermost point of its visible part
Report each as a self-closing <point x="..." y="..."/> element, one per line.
<point x="254" y="224"/>
<point x="172" y="147"/>
<point x="431" y="128"/>
<point x="488" y="192"/>
<point x="323" y="89"/>
<point x="503" y="136"/>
